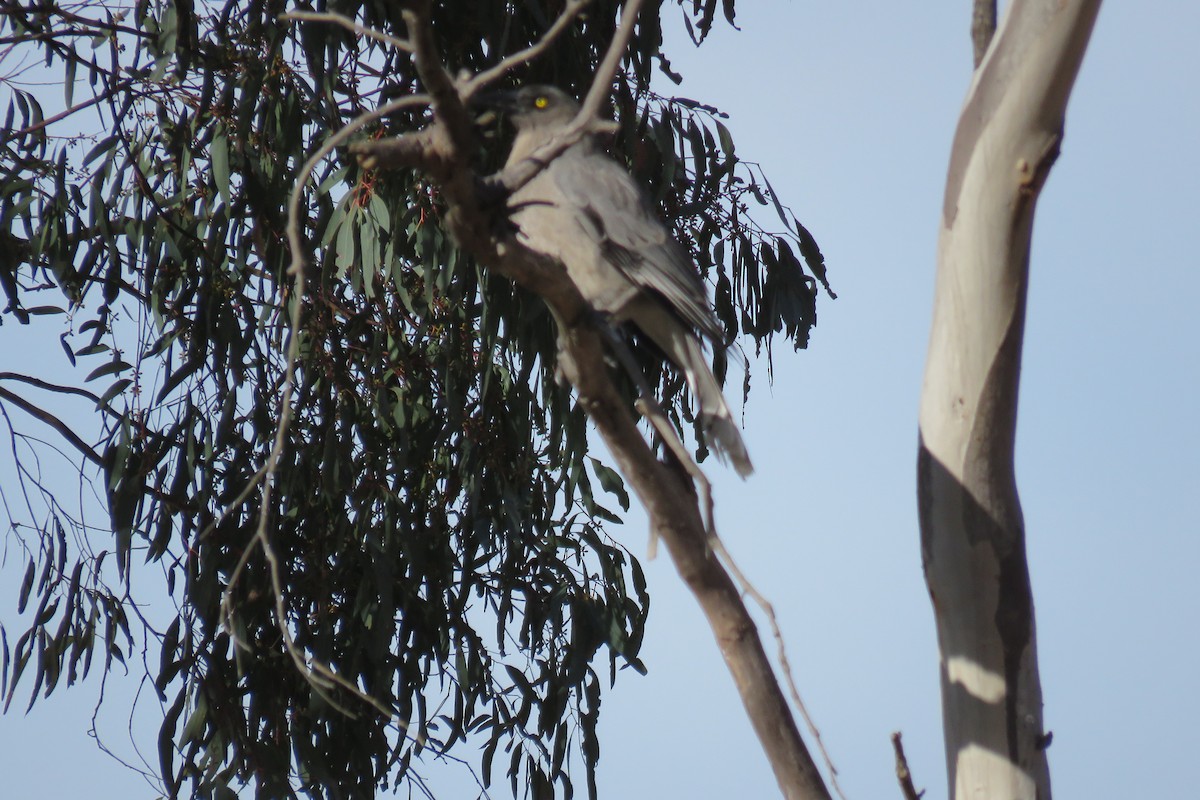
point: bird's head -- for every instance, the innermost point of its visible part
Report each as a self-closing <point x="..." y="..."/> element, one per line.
<point x="532" y="107"/>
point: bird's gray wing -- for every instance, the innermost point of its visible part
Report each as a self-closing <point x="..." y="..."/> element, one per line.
<point x="630" y="235"/>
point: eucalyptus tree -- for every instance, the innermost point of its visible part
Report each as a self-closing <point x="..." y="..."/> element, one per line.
<point x="418" y="558"/>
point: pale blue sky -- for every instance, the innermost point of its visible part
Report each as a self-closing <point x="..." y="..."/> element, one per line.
<point x="850" y="109"/>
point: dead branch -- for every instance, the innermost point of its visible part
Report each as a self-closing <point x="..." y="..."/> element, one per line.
<point x="983" y="27"/>
<point x="903" y="774"/>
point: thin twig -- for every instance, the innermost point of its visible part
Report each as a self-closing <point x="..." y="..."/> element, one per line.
<point x="649" y="408"/>
<point x="349" y="24"/>
<point x="903" y="773"/>
<point x="113" y="26"/>
<point x="602" y="82"/>
<point x="318" y="675"/>
<point x="785" y="665"/>
<point x="983" y="27"/>
<point x="493" y="74"/>
<point x="448" y="105"/>
<point x="50" y="120"/>
<point x="54" y="422"/>
<point x="251" y="485"/>
<point x="50" y="387"/>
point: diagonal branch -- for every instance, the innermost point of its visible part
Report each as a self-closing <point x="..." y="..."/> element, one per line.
<point x="490" y="76"/>
<point x="66" y="112"/>
<point x="348" y="24"/>
<point x="983" y="27"/>
<point x="903" y="773"/>
<point x="50" y="387"/>
<point x="602" y="81"/>
<point x="54" y="422"/>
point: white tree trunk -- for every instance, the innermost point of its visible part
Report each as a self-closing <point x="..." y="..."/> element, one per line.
<point x="972" y="533"/>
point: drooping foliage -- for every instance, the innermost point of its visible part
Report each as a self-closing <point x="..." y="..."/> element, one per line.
<point x="433" y="518"/>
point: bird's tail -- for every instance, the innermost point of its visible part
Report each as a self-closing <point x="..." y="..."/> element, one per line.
<point x="682" y="346"/>
<point x="726" y="439"/>
<point x="719" y="425"/>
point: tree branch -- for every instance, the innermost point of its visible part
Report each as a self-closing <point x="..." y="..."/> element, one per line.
<point x="66" y="112"/>
<point x="602" y="81"/>
<point x="903" y="774"/>
<point x="649" y="408"/>
<point x="490" y="76"/>
<point x="50" y="387"/>
<point x="983" y="27"/>
<point x="54" y="422"/>
<point x="348" y="24"/>
<point x="448" y="105"/>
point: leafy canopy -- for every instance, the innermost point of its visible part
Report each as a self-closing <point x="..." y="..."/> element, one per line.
<point x="435" y="518"/>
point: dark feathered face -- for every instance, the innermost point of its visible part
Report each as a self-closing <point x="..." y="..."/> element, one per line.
<point x="532" y="106"/>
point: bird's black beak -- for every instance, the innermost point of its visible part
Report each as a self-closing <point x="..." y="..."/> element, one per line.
<point x="502" y="102"/>
<point x="488" y="107"/>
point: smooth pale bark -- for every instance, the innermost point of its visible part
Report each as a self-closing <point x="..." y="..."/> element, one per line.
<point x="972" y="532"/>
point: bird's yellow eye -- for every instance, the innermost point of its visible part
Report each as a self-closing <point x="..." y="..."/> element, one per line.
<point x="540" y="102"/>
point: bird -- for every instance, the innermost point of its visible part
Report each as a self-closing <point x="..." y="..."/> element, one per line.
<point x="585" y="210"/>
